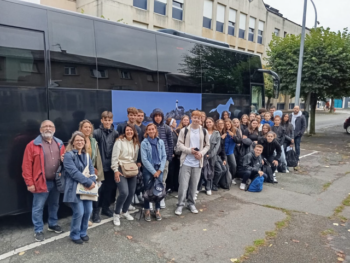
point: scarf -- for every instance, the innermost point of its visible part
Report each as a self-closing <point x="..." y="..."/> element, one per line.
<point x="155" y="154"/>
<point x="294" y="117"/>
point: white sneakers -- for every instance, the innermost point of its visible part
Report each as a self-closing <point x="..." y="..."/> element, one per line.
<point x="234" y="181"/>
<point x="162" y="203"/>
<point x="209" y="192"/>
<point x="274" y="178"/>
<point x="116" y="220"/>
<point x="132" y="209"/>
<point x="178" y="210"/>
<point x="135" y="199"/>
<point x="127" y="216"/>
<point x="242" y="186"/>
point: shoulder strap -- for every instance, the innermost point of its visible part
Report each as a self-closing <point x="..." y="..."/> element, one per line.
<point x="205" y="134"/>
<point x="186" y="131"/>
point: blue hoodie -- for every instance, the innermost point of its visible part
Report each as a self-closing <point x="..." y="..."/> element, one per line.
<point x="270" y="122"/>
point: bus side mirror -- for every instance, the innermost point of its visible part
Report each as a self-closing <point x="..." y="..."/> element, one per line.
<point x="276" y="81"/>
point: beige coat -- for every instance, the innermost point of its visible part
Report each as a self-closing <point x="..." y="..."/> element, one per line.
<point x="124" y="152"/>
<point x="184" y="146"/>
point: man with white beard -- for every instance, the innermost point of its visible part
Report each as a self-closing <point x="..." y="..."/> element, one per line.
<point x="41" y="160"/>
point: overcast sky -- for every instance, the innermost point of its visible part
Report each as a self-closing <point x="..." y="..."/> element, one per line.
<point x="334" y="14"/>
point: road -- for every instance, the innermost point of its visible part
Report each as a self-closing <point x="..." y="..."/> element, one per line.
<point x="325" y="120"/>
<point x="292" y="221"/>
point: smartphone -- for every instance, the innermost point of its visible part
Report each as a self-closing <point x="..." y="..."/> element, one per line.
<point x="196" y="149"/>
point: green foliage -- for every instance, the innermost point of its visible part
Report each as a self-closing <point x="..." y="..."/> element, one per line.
<point x="326" y="66"/>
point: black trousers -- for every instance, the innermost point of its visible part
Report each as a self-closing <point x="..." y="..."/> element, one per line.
<point x="245" y="175"/>
<point x="270" y="159"/>
<point x="108" y="190"/>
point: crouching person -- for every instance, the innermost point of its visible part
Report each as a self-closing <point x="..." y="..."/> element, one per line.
<point x="193" y="142"/>
<point x="75" y="162"/>
<point x="252" y="164"/>
<point x="154" y="157"/>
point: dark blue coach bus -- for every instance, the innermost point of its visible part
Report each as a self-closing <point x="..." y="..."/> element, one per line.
<point x="67" y="67"/>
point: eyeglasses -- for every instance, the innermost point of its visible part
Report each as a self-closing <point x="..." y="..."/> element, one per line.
<point x="48" y="126"/>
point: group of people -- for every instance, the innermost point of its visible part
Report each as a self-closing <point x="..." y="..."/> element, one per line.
<point x="178" y="156"/>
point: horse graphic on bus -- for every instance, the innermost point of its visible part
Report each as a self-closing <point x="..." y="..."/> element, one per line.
<point x="223" y="107"/>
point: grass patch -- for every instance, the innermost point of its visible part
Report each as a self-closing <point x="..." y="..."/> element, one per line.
<point x="250" y="249"/>
<point x="338" y="210"/>
<point x="326" y="185"/>
<point x="259" y="242"/>
<point x="271" y="234"/>
<point x="346" y="201"/>
<point x="327" y="232"/>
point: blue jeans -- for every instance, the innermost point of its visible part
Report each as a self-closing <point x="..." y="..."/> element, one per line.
<point x="297" y="141"/>
<point x="80" y="219"/>
<point x="146" y="177"/>
<point x="52" y="196"/>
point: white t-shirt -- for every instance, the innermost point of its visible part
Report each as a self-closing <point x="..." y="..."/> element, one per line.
<point x="194" y="143"/>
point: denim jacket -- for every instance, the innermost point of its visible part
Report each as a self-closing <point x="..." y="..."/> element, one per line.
<point x="146" y="155"/>
<point x="73" y="169"/>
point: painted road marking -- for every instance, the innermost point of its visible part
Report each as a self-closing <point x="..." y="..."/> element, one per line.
<point x="308" y="154"/>
<point x="46" y="241"/>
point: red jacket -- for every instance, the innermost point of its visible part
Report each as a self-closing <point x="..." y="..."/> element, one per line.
<point x="33" y="169"/>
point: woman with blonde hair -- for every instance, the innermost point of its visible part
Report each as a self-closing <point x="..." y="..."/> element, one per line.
<point x="230" y="139"/>
<point x="92" y="149"/>
<point x="244" y="122"/>
<point x="185" y="121"/>
<point x="153" y="158"/>
<point x="220" y="125"/>
<point x="76" y="159"/>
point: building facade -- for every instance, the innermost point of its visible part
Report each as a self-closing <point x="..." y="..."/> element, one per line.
<point x="246" y="25"/>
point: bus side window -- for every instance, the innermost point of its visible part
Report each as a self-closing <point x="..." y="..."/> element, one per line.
<point x="72" y="51"/>
<point x="21" y="57"/>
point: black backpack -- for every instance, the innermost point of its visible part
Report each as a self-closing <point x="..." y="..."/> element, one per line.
<point x="154" y="190"/>
<point x="268" y="171"/>
<point x="226" y="180"/>
<point x="291" y="158"/>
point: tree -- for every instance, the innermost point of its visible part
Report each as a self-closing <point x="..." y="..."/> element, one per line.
<point x="268" y="88"/>
<point x="326" y="66"/>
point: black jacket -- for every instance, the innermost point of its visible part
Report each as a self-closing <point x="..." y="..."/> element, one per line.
<point x="253" y="136"/>
<point x="270" y="148"/>
<point x="300" y="125"/>
<point x="105" y="139"/>
<point x="280" y="132"/>
<point x="252" y="163"/>
<point x="289" y="133"/>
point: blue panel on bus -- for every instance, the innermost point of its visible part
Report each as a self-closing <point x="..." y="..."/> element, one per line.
<point x="173" y="105"/>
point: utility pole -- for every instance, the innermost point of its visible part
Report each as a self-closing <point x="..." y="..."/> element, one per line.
<point x="300" y="68"/>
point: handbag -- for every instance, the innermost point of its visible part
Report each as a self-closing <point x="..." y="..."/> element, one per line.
<point x="92" y="194"/>
<point x="129" y="170"/>
<point x="60" y="179"/>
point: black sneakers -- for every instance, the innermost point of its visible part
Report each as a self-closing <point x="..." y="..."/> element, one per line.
<point x="85" y="239"/>
<point x="107" y="212"/>
<point x="57" y="229"/>
<point x="39" y="237"/>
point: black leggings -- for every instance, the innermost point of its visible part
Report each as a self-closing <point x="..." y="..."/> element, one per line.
<point x="231" y="160"/>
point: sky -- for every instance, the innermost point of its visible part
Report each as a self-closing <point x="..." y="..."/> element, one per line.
<point x="331" y="13"/>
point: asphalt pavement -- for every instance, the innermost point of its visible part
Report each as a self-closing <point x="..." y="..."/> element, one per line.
<point x="229" y="224"/>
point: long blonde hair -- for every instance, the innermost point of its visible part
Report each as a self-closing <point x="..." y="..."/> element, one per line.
<point x="81" y="124"/>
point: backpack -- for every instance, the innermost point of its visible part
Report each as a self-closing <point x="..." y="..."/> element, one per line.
<point x="291" y="158"/>
<point x="268" y="171"/>
<point x="154" y="190"/>
<point x="219" y="171"/>
<point x="60" y="177"/>
<point x="256" y="185"/>
<point x="226" y="180"/>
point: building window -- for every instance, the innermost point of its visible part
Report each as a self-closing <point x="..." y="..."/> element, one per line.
<point x="232" y="22"/>
<point x="220" y="18"/>
<point x="150" y="78"/>
<point x="251" y="29"/>
<point x="285" y="33"/>
<point x="178" y="9"/>
<point x="125" y="74"/>
<point x="208" y="13"/>
<point x="277" y="32"/>
<point x="261" y="32"/>
<point x="70" y="71"/>
<point x="160" y="7"/>
<point x="140" y="25"/>
<point x="29" y="67"/>
<point x="242" y="22"/>
<point x="251" y="34"/>
<point x="141" y="4"/>
<point x="101" y="73"/>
